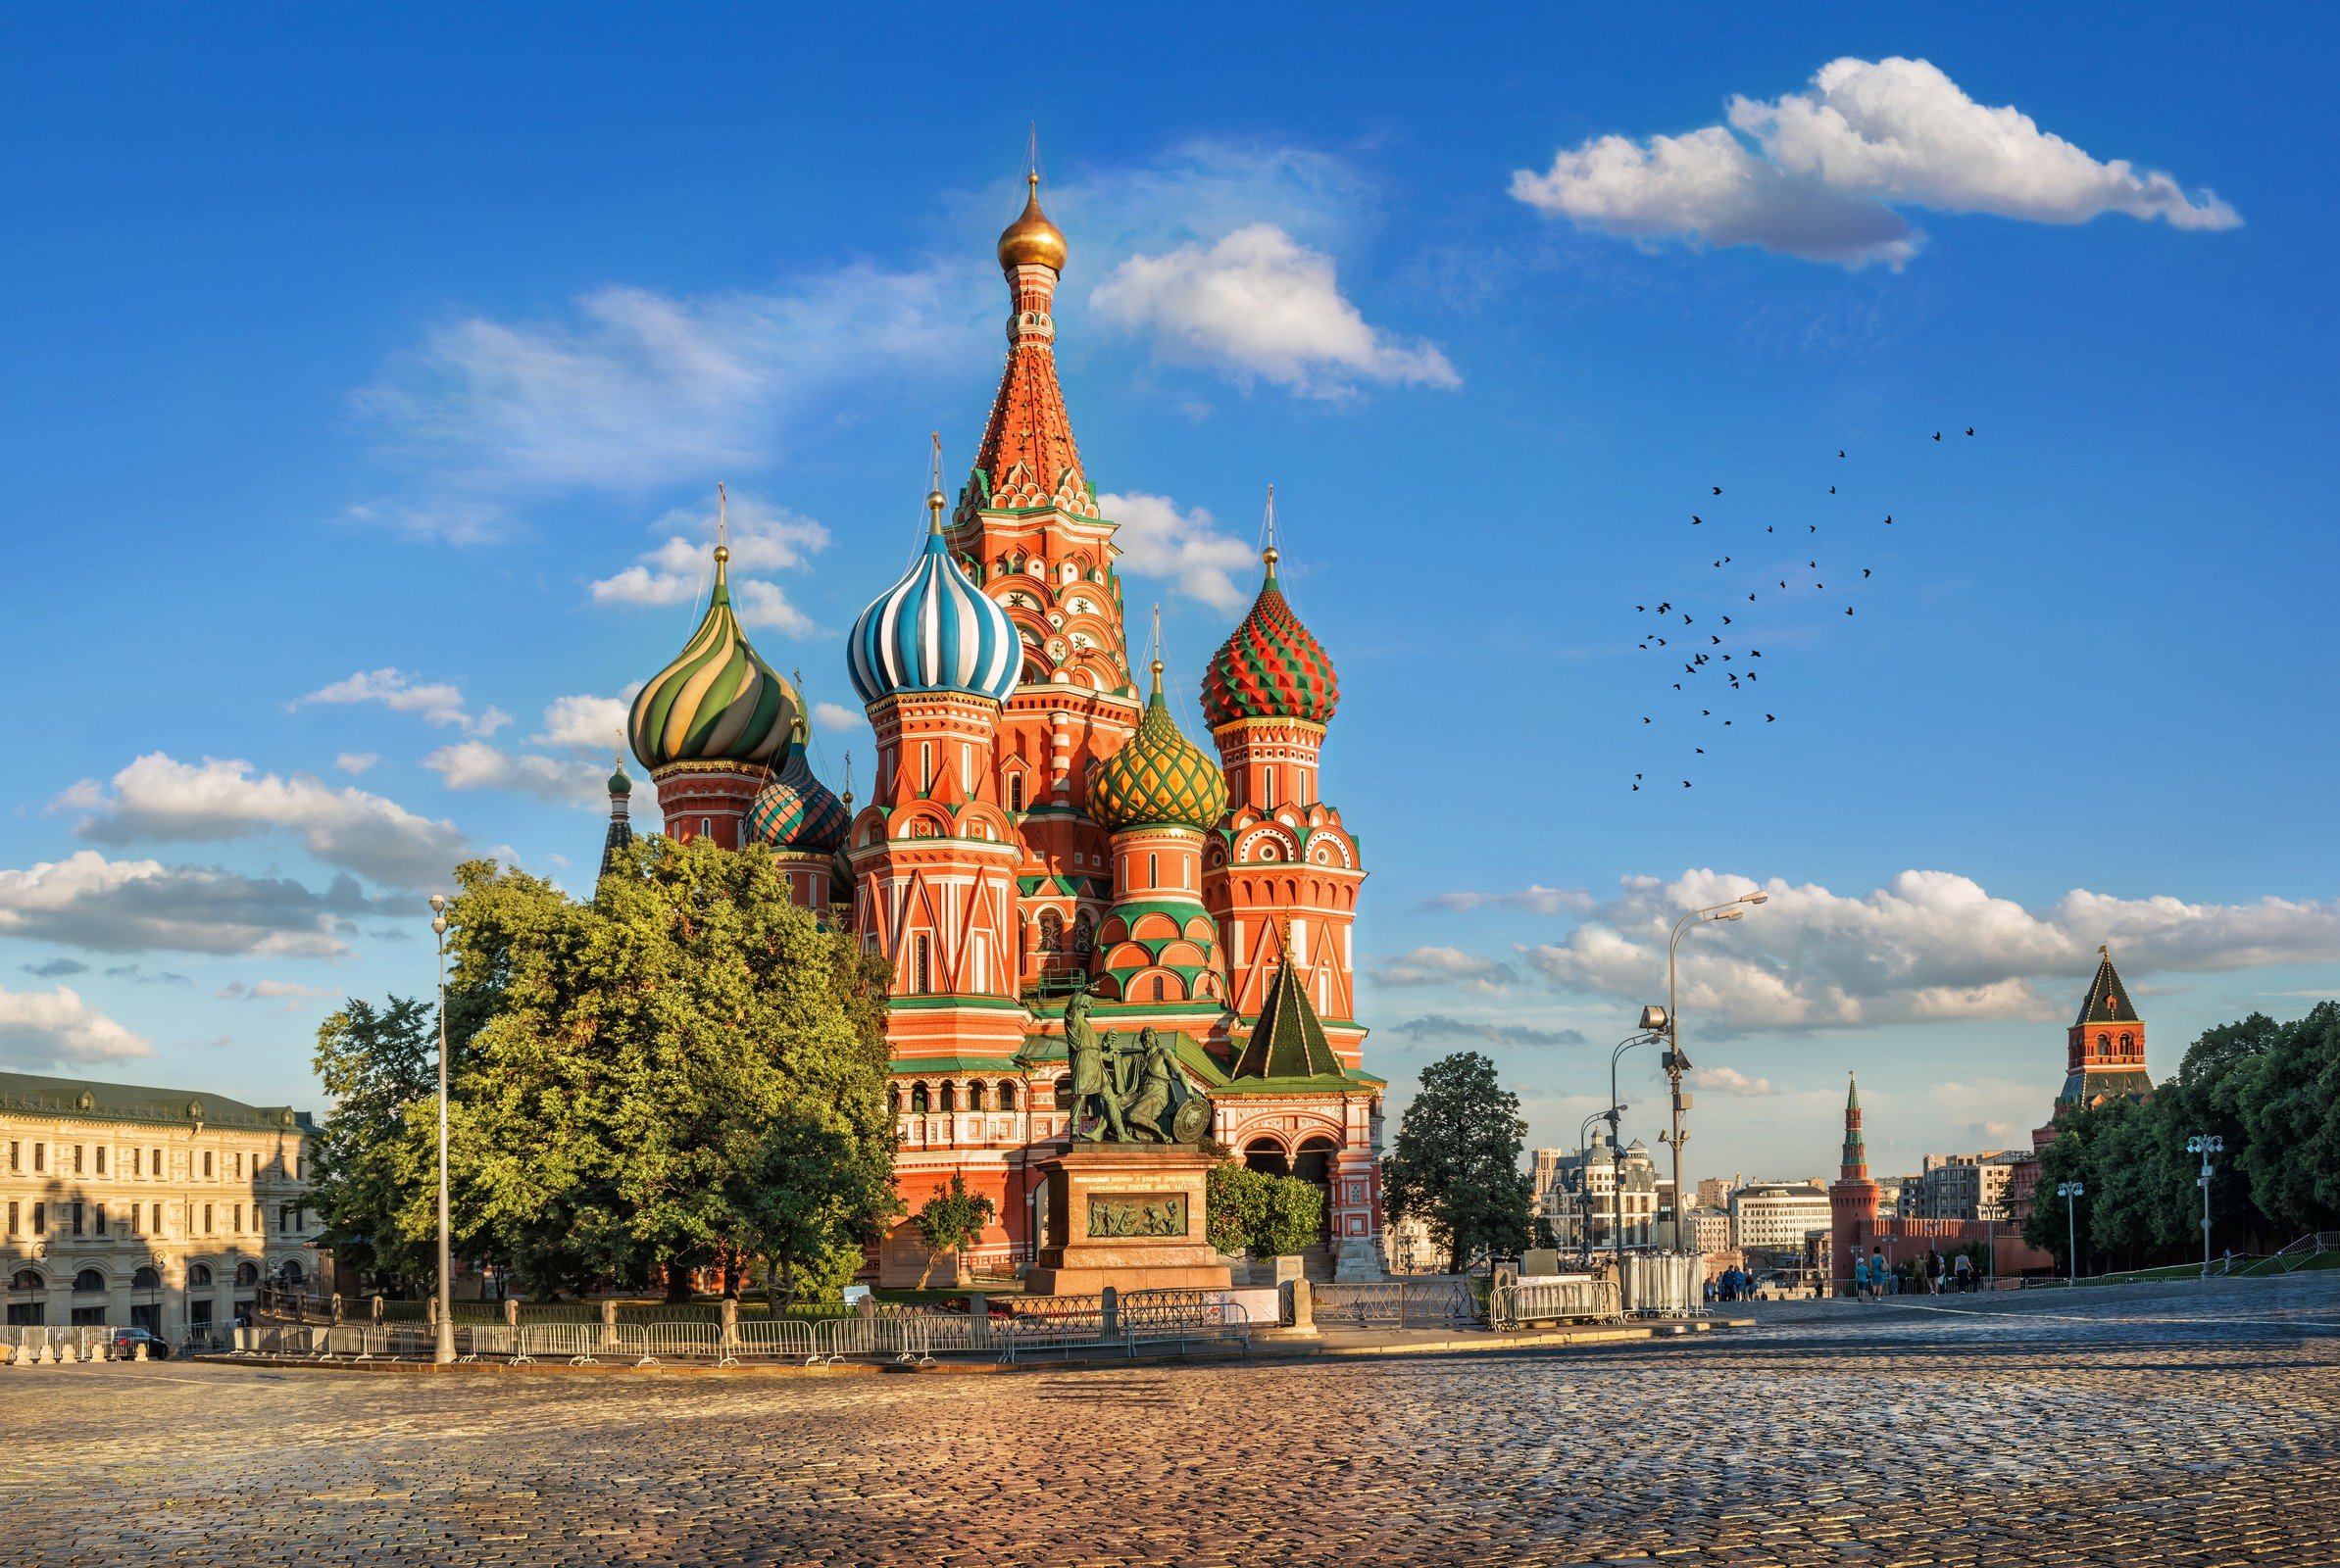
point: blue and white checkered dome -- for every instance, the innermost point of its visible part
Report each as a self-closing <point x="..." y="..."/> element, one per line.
<point x="934" y="631"/>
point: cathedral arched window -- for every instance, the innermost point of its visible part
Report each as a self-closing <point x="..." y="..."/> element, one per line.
<point x="1052" y="931"/>
<point x="1007" y="1096"/>
<point x="1084" y="932"/>
<point x="1016" y="792"/>
<point x="918" y="1100"/>
<point x="950" y="1097"/>
<point x="1159" y="988"/>
<point x="1152" y="871"/>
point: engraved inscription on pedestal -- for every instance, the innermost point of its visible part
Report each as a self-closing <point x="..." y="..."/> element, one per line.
<point x="1137" y="1214"/>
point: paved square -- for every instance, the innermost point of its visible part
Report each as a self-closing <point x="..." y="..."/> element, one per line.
<point x="2133" y="1426"/>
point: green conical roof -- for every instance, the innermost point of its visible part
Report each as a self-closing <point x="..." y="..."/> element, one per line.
<point x="1288" y="1042"/>
<point x="1159" y="779"/>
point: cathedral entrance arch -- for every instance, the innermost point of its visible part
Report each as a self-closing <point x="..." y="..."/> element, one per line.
<point x="1267" y="1155"/>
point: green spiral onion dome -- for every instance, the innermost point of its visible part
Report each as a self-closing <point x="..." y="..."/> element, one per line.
<point x="797" y="812"/>
<point x="1270" y="666"/>
<point x="718" y="702"/>
<point x="1159" y="779"/>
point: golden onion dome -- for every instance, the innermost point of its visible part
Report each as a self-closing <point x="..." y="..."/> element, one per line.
<point x="718" y="701"/>
<point x="1159" y="779"/>
<point x="1031" y="241"/>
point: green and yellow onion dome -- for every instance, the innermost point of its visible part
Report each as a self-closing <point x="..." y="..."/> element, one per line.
<point x="1270" y="666"/>
<point x="797" y="812"/>
<point x="718" y="702"/>
<point x="1159" y="779"/>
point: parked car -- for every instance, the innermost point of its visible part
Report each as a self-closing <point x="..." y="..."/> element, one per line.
<point x="156" y="1349"/>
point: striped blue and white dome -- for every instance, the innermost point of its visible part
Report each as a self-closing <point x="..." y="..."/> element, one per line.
<point x="934" y="631"/>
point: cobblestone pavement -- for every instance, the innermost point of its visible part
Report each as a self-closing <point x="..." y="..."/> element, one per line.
<point x="2154" y="1425"/>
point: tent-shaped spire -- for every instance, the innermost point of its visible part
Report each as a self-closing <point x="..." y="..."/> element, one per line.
<point x="2108" y="1000"/>
<point x="1289" y="1040"/>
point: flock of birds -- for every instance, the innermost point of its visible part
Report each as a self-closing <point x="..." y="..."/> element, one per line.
<point x="1709" y="659"/>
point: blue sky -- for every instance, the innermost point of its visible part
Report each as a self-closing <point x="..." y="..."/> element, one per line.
<point x="360" y="370"/>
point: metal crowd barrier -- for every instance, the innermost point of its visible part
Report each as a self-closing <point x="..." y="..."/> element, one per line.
<point x="1512" y="1305"/>
<point x="1665" y="1284"/>
<point x="1214" y="1323"/>
<point x="1435" y="1302"/>
<point x="780" y="1340"/>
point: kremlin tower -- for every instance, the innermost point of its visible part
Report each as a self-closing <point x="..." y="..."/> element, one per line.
<point x="1035" y="827"/>
<point x="1853" y="1199"/>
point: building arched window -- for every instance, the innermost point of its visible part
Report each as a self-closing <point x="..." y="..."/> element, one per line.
<point x="198" y="1276"/>
<point x="1007" y="1096"/>
<point x="247" y="1273"/>
<point x="1052" y="931"/>
<point x="90" y="1279"/>
<point x="1016" y="792"/>
<point x="1152" y="871"/>
<point x="975" y="1096"/>
<point x="1159" y="988"/>
<point x="28" y="1279"/>
<point x="148" y="1278"/>
<point x="2127" y="1044"/>
<point x="918" y="1100"/>
<point x="950" y="1097"/>
<point x="922" y="968"/>
<point x="2104" y="1044"/>
<point x="1084" y="932"/>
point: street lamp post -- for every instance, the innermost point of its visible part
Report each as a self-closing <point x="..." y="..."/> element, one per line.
<point x="1617" y="1154"/>
<point x="443" y="1346"/>
<point x="2205" y="1145"/>
<point x="1675" y="1063"/>
<point x="2068" y="1190"/>
<point x="1584" y="1184"/>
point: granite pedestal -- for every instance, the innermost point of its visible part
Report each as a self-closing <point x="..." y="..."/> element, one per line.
<point x="1129" y="1216"/>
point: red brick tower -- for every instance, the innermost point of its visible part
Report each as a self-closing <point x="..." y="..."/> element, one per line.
<point x="1028" y="529"/>
<point x="2105" y="1047"/>
<point x="1853" y="1199"/>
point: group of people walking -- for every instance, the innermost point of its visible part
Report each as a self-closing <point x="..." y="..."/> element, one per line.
<point x="1874" y="1278"/>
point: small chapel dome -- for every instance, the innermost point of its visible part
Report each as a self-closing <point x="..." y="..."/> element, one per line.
<point x="1270" y="666"/>
<point x="796" y="811"/>
<point x="718" y="701"/>
<point x="934" y="631"/>
<point x="1031" y="241"/>
<point x="1159" y="779"/>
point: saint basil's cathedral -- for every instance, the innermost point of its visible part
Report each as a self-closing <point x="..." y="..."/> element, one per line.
<point x="1038" y="823"/>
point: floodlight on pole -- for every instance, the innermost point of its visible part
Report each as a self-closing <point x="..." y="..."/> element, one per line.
<point x="2070" y="1191"/>
<point x="1668" y="1020"/>
<point x="2205" y="1145"/>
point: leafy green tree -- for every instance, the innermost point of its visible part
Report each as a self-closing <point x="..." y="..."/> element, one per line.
<point x="687" y="1073"/>
<point x="379" y="1065"/>
<point x="2291" y="1124"/>
<point x="1455" y="1162"/>
<point x="951" y="1221"/>
<point x="1251" y="1210"/>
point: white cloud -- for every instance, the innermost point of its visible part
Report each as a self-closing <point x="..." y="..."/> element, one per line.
<point x="356" y="762"/>
<point x="478" y="765"/>
<point x="158" y="797"/>
<point x="1184" y="548"/>
<point x="1534" y="896"/>
<point x="1259" y="304"/>
<point x="440" y="703"/>
<point x="58" y="1029"/>
<point x="1443" y="1027"/>
<point x="763" y="537"/>
<point x="1434" y="966"/>
<point x="89" y="902"/>
<point x="1828" y="167"/>
<point x="273" y="990"/>
<point x="587" y="722"/>
<point x="836" y="716"/>
<point x="630" y="388"/>
<point x="1728" y="1081"/>
<point x="1929" y="946"/>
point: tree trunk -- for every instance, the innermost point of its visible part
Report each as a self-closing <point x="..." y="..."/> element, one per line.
<point x="677" y="1281"/>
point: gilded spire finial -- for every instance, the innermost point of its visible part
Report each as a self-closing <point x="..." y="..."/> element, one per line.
<point x="1270" y="555"/>
<point x="935" y="499"/>
<point x="847" y="797"/>
<point x="1157" y="666"/>
<point x="723" y="550"/>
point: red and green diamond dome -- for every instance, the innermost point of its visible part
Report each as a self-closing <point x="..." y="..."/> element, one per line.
<point x="1270" y="666"/>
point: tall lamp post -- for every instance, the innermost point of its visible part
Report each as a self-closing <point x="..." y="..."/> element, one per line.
<point x="2068" y="1191"/>
<point x="1616" y="1152"/>
<point x="443" y="1346"/>
<point x="1585" y="1183"/>
<point x="2205" y="1145"/>
<point x="1669" y="1019"/>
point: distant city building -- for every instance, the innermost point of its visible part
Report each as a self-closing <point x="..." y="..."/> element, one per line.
<point x="1714" y="1191"/>
<point x="1772" y="1216"/>
<point x="1858" y="1227"/>
<point x="1710" y="1230"/>
<point x="1964" y="1186"/>
<point x="1587" y="1197"/>
<point x="157" y="1209"/>
<point x="1408" y="1248"/>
